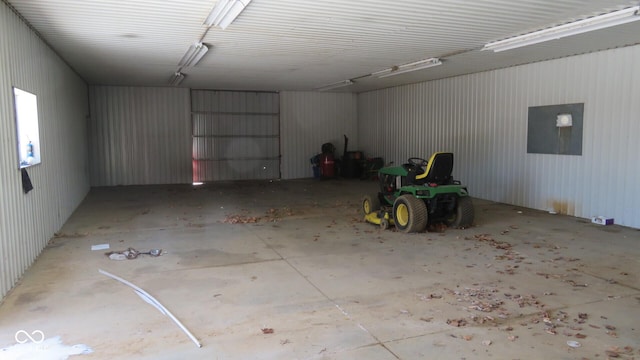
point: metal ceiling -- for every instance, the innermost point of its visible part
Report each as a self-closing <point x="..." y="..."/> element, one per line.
<point x="304" y="44"/>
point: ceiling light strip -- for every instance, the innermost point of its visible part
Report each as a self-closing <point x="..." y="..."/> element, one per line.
<point x="193" y="55"/>
<point x="336" y="85"/>
<point x="403" y="69"/>
<point x="573" y="28"/>
<point x="176" y="79"/>
<point x="225" y="12"/>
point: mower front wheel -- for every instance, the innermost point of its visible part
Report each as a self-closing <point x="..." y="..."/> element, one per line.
<point x="409" y="214"/>
<point x="370" y="203"/>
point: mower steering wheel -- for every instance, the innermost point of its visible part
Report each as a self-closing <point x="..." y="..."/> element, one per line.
<point x="416" y="161"/>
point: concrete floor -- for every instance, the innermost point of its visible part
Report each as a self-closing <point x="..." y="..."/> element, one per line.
<point x="518" y="285"/>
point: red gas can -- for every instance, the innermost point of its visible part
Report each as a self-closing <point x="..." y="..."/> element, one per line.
<point x="327" y="166"/>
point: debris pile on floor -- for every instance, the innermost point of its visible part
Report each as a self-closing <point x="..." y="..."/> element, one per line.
<point x="483" y="300"/>
<point x="240" y="219"/>
<point x="271" y="215"/>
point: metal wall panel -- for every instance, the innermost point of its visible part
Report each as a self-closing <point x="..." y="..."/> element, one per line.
<point x="139" y="136"/>
<point x="482" y="118"/>
<point x="61" y="181"/>
<point x="235" y="135"/>
<point x="310" y="119"/>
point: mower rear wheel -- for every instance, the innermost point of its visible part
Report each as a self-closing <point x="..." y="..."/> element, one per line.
<point x="463" y="216"/>
<point x="409" y="214"/>
<point x="370" y="203"/>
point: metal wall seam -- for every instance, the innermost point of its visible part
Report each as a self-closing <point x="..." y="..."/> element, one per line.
<point x="139" y="135"/>
<point x="28" y="221"/>
<point x="310" y="119"/>
<point x="483" y="118"/>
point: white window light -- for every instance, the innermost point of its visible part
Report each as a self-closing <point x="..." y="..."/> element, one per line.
<point x="335" y="85"/>
<point x="573" y="28"/>
<point x="193" y="55"/>
<point x="414" y="66"/>
<point x="564" y="120"/>
<point x="26" y="111"/>
<point x="176" y="79"/>
<point x="225" y="12"/>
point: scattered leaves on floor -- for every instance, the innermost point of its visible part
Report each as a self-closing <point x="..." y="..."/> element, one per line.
<point x="562" y="258"/>
<point x="428" y="297"/>
<point x="501" y="245"/>
<point x="240" y="219"/>
<point x="457" y="322"/>
<point x="271" y="215"/>
<point x="616" y="352"/>
<point x="71" y="235"/>
<point x="437" y="227"/>
<point x="612" y="353"/>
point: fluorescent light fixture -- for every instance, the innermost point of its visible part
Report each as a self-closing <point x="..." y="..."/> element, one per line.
<point x="193" y="55"/>
<point x="336" y="85"/>
<point x="225" y="12"/>
<point x="176" y="79"/>
<point x="573" y="28"/>
<point x="414" y="66"/>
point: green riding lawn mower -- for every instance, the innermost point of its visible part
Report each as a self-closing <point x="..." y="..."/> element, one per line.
<point x="417" y="194"/>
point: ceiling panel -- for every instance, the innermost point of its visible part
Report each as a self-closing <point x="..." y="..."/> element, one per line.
<point x="303" y="44"/>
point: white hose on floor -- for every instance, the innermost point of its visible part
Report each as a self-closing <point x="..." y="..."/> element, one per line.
<point x="151" y="300"/>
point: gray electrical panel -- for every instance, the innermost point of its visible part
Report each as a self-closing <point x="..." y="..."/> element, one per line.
<point x="555" y="129"/>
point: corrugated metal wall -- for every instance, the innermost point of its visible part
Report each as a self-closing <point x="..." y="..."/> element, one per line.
<point x="235" y="135"/>
<point x="310" y="119"/>
<point x="482" y="118"/>
<point x="61" y="181"/>
<point x="139" y="135"/>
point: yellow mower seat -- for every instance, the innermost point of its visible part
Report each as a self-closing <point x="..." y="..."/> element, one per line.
<point x="438" y="170"/>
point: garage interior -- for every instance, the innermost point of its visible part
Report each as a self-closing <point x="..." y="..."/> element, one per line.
<point x="162" y="126"/>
